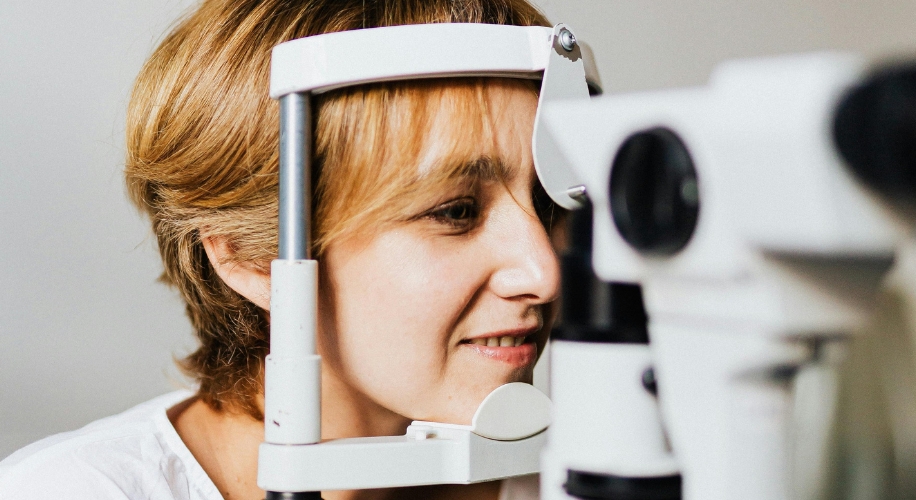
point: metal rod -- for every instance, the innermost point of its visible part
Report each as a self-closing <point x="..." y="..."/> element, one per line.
<point x="295" y="177"/>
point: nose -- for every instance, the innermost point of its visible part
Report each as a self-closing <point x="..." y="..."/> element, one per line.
<point x="527" y="265"/>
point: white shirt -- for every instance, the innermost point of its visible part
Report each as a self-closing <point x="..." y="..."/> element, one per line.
<point x="133" y="455"/>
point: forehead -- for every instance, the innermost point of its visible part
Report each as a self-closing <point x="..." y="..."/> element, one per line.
<point x="480" y="130"/>
<point x="382" y="150"/>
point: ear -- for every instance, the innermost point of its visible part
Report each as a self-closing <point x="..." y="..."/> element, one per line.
<point x="245" y="279"/>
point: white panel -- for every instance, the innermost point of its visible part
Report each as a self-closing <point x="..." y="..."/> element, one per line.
<point x="427" y="454"/>
<point x="564" y="81"/>
<point x="605" y="420"/>
<point x="324" y="62"/>
<point x="512" y="411"/>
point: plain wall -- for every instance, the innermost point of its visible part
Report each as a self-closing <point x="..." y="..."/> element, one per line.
<point x="85" y="329"/>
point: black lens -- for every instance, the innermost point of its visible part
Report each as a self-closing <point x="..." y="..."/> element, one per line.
<point x="875" y="131"/>
<point x="595" y="486"/>
<point x="654" y="193"/>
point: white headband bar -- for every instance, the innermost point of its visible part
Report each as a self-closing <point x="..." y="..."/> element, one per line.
<point x="325" y="62"/>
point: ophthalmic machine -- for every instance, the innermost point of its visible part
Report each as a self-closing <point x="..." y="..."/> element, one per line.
<point x="720" y="236"/>
<point x="759" y="214"/>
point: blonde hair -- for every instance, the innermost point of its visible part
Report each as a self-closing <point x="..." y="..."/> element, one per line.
<point x="202" y="143"/>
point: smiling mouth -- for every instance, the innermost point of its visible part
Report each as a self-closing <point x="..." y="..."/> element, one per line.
<point x="514" y="350"/>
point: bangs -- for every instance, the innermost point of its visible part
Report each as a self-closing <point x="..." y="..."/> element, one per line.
<point x="384" y="150"/>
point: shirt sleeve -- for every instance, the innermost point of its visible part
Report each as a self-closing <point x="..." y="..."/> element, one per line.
<point x="61" y="479"/>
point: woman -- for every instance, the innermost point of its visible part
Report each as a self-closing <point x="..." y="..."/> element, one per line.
<point x="437" y="272"/>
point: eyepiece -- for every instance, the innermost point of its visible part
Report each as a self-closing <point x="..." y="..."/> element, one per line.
<point x="874" y="130"/>
<point x="654" y="193"/>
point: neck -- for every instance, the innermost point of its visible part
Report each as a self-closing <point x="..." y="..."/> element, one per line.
<point x="226" y="443"/>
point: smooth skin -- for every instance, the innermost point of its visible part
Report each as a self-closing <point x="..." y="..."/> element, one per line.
<point x="399" y="306"/>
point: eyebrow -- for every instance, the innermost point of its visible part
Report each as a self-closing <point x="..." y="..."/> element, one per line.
<point x="487" y="168"/>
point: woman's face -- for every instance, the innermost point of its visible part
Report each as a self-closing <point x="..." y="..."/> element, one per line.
<point x="427" y="316"/>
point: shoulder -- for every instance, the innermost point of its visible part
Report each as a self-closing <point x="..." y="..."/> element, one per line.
<point x="126" y="456"/>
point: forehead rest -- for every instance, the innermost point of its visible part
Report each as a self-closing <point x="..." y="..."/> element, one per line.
<point x="330" y="61"/>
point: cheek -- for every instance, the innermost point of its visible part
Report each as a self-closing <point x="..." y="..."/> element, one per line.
<point x="398" y="305"/>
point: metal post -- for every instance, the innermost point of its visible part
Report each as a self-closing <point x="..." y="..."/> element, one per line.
<point x="292" y="382"/>
<point x="295" y="177"/>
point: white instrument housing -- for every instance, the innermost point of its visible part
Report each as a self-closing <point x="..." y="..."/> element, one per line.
<point x="789" y="250"/>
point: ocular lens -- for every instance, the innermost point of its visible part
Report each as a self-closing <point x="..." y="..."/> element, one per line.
<point x="875" y="131"/>
<point x="654" y="194"/>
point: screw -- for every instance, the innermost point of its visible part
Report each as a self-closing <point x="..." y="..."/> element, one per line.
<point x="576" y="192"/>
<point x="567" y="40"/>
<point x="648" y="381"/>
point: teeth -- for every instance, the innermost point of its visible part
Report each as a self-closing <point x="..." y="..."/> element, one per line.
<point x="498" y="341"/>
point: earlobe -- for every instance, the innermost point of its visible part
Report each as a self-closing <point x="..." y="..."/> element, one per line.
<point x="244" y="278"/>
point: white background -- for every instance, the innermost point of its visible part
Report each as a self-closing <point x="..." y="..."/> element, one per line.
<point x="85" y="330"/>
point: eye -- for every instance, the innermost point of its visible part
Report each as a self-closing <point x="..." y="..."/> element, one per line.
<point x="547" y="210"/>
<point x="461" y="213"/>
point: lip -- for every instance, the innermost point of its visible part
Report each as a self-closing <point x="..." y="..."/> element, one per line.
<point x="518" y="332"/>
<point x="517" y="356"/>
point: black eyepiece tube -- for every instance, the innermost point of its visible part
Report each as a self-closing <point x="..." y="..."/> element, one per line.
<point x="874" y="130"/>
<point x="274" y="495"/>
<point x="593" y="310"/>
<point x="591" y="486"/>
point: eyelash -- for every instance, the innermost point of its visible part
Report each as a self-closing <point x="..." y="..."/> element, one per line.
<point x="463" y="213"/>
<point x="459" y="214"/>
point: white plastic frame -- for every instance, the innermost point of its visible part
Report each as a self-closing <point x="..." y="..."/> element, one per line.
<point x="320" y="63"/>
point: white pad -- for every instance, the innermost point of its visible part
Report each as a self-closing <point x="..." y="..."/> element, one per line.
<point x="333" y="60"/>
